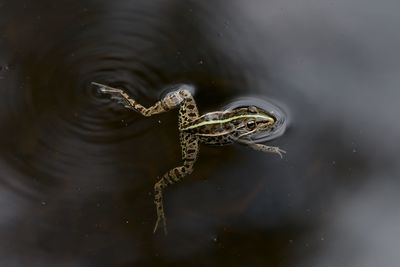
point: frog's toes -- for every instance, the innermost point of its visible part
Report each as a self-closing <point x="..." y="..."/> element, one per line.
<point x="280" y="152"/>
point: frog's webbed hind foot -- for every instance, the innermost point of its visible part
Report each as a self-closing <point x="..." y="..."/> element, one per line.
<point x="268" y="149"/>
<point x="116" y="94"/>
<point x="159" y="206"/>
<point x="160" y="219"/>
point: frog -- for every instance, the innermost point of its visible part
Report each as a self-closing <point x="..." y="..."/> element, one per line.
<point x="217" y="128"/>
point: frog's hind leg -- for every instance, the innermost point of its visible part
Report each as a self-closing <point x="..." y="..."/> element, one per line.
<point x="190" y="148"/>
<point x="188" y="111"/>
<point x="189" y="143"/>
<point x="171" y="101"/>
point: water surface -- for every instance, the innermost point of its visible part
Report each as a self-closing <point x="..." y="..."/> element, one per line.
<point x="77" y="170"/>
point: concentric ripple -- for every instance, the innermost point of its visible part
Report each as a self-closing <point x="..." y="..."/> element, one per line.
<point x="59" y="122"/>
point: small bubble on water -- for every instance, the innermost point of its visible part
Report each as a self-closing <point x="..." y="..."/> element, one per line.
<point x="44" y="203"/>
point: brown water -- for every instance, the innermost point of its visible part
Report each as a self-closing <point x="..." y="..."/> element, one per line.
<point x="77" y="170"/>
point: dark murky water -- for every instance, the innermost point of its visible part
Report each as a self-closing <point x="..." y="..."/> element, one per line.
<point x="77" y="170"/>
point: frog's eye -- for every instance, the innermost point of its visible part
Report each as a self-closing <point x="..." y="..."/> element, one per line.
<point x="251" y="125"/>
<point x="252" y="109"/>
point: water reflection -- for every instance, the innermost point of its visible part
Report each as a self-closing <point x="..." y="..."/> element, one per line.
<point x="77" y="170"/>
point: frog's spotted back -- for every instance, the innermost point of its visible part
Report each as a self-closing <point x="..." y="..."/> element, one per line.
<point x="240" y="125"/>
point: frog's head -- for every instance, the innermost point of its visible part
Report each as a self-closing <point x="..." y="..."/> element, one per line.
<point x="256" y="124"/>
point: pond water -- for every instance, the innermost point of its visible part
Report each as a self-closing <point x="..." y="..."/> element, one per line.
<point x="77" y="170"/>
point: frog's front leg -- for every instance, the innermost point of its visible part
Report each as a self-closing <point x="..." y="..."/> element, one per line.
<point x="169" y="102"/>
<point x="190" y="149"/>
<point x="268" y="149"/>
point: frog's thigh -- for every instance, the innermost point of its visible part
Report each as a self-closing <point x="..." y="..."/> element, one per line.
<point x="188" y="111"/>
<point x="190" y="149"/>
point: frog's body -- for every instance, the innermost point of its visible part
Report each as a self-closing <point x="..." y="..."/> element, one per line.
<point x="215" y="128"/>
<point x="226" y="127"/>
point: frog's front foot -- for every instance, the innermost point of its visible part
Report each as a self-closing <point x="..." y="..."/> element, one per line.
<point x="278" y="151"/>
<point x="268" y="149"/>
